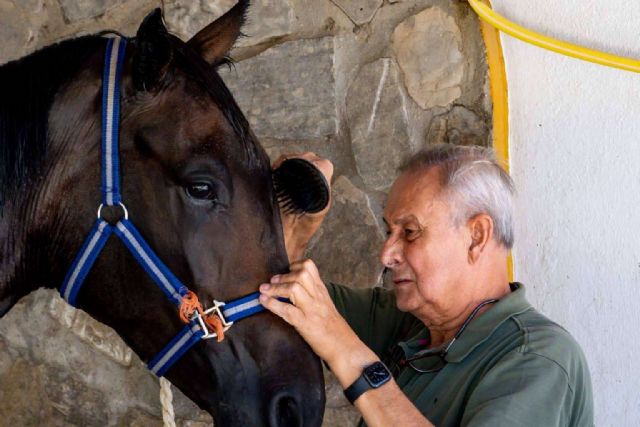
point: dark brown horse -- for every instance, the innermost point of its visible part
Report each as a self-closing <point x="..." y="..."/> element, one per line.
<point x="197" y="185"/>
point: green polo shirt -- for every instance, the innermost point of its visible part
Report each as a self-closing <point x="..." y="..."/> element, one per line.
<point x="511" y="367"/>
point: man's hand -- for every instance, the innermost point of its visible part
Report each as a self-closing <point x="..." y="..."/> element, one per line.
<point x="311" y="310"/>
<point x="316" y="318"/>
<point x="299" y="228"/>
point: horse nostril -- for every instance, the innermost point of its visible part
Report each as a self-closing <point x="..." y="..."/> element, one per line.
<point x="284" y="411"/>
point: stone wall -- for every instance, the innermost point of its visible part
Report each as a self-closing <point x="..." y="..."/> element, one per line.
<point x="364" y="83"/>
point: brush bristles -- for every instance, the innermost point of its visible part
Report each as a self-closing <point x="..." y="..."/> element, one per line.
<point x="300" y="187"/>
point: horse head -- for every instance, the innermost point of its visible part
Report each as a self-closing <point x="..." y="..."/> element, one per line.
<point x="198" y="187"/>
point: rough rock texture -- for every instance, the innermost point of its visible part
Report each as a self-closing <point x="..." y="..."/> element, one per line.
<point x="459" y="126"/>
<point x="363" y="83"/>
<point x="378" y="122"/>
<point x="76" y="378"/>
<point x="95" y="334"/>
<point x="77" y="10"/>
<point x="267" y="19"/>
<point x="360" y="12"/>
<point x="429" y="50"/>
<point x="346" y="248"/>
<point x="15" y="36"/>
<point x="288" y="90"/>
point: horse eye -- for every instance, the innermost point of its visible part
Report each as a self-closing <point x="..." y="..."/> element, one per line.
<point x="201" y="191"/>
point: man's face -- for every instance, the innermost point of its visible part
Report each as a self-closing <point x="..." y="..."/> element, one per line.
<point x="425" y="252"/>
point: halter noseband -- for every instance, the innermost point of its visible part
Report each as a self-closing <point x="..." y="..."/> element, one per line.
<point x="198" y="321"/>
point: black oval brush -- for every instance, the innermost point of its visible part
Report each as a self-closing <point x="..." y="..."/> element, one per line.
<point x="300" y="187"/>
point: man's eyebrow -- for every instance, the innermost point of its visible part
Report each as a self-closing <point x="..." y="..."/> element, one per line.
<point x="407" y="218"/>
<point x="402" y="220"/>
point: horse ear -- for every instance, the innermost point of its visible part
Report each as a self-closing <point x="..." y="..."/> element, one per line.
<point x="153" y="52"/>
<point x="215" y="40"/>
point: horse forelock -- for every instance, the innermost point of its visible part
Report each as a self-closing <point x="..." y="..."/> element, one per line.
<point x="209" y="79"/>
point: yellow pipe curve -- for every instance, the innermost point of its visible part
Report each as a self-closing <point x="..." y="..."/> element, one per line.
<point x="501" y="23"/>
<point x="499" y="99"/>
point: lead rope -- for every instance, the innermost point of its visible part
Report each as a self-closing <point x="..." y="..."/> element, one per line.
<point x="166" y="399"/>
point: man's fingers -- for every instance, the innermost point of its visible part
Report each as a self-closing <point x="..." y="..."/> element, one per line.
<point x="304" y="265"/>
<point x="294" y="291"/>
<point x="291" y="314"/>
<point x="305" y="270"/>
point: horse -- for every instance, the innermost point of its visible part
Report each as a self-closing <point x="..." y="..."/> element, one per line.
<point x="197" y="185"/>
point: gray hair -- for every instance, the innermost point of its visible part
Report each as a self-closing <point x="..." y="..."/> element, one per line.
<point x="474" y="181"/>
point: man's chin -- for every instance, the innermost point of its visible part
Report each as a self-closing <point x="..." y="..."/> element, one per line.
<point x="404" y="301"/>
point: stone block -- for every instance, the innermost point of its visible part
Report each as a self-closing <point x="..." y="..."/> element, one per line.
<point x="378" y="126"/>
<point x="5" y="358"/>
<point x="78" y="10"/>
<point x="79" y="403"/>
<point x="428" y="47"/>
<point x="14" y="34"/>
<point x="62" y="312"/>
<point x="101" y="338"/>
<point x="287" y="92"/>
<point x="346" y="246"/>
<point x="138" y="418"/>
<point x="267" y="19"/>
<point x="361" y="11"/>
<point x="340" y="417"/>
<point x="30" y="6"/>
<point x="20" y="408"/>
<point x="295" y="87"/>
<point x="333" y="389"/>
<point x="460" y="126"/>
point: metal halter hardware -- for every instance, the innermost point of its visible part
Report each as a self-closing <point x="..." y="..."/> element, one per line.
<point x="217" y="305"/>
<point x="197" y="329"/>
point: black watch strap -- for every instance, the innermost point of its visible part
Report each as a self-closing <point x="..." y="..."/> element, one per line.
<point x="373" y="376"/>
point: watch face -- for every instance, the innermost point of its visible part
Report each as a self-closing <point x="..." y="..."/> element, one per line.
<point x="377" y="374"/>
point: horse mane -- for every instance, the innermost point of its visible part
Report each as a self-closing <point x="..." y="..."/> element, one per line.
<point x="28" y="87"/>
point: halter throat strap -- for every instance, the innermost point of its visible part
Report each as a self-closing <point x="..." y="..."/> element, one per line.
<point x="197" y="328"/>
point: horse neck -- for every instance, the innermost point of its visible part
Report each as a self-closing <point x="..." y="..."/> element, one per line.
<point x="32" y="252"/>
<point x="37" y="138"/>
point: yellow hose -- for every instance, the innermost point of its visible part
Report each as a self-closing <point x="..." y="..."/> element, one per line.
<point x="564" y="48"/>
<point x="499" y="99"/>
<point x="499" y="91"/>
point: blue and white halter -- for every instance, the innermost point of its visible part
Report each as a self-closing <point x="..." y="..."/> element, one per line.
<point x="197" y="329"/>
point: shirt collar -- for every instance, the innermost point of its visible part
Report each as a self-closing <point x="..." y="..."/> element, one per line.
<point x="480" y="328"/>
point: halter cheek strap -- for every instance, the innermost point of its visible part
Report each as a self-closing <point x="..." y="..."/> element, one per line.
<point x="201" y="323"/>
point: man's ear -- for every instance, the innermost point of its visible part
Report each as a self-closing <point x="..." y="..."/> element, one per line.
<point x="481" y="230"/>
<point x="153" y="52"/>
<point x="215" y="40"/>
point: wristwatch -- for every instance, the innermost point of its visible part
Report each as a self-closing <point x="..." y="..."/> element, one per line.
<point x="373" y="376"/>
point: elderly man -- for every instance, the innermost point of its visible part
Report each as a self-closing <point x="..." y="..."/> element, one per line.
<point x="464" y="345"/>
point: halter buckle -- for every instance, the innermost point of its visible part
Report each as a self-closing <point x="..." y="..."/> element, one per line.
<point x="217" y="310"/>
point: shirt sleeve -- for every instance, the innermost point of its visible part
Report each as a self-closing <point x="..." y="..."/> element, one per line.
<point x="372" y="314"/>
<point x="526" y="389"/>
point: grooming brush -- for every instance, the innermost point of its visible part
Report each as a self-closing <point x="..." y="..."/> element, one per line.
<point x="300" y="187"/>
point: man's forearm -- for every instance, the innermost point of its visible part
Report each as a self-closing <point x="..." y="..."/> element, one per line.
<point x="384" y="406"/>
<point x="388" y="406"/>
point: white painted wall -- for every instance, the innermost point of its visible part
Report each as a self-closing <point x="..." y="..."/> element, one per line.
<point x="575" y="158"/>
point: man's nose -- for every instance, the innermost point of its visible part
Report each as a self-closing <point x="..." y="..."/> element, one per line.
<point x="391" y="253"/>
